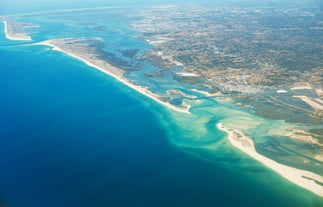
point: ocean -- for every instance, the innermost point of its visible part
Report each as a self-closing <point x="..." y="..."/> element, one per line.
<point x="73" y="136"/>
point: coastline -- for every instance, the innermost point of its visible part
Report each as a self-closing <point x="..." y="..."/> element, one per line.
<point x="118" y="77"/>
<point x="302" y="178"/>
<point x="15" y="37"/>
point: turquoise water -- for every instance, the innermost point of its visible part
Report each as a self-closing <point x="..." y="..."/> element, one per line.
<point x="73" y="136"/>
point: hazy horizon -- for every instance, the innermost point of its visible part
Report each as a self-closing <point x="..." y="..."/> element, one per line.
<point x="19" y="6"/>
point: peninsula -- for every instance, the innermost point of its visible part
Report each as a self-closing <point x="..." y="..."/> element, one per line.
<point x="15" y="31"/>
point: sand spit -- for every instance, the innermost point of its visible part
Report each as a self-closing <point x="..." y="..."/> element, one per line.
<point x="305" y="179"/>
<point x="12" y="35"/>
<point x="106" y="68"/>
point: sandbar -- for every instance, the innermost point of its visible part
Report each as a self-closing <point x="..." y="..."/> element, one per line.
<point x="186" y="74"/>
<point x="302" y="178"/>
<point x="207" y="93"/>
<point x="112" y="71"/>
<point x="281" y="91"/>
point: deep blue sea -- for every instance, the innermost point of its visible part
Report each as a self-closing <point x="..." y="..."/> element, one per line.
<point x="71" y="136"/>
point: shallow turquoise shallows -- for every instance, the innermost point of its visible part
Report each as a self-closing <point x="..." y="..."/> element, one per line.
<point x="71" y="136"/>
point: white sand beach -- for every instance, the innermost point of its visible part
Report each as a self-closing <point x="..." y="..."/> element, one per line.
<point x="119" y="76"/>
<point x="10" y="35"/>
<point x="302" y="178"/>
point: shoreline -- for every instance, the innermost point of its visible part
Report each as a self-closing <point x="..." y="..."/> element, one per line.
<point x="302" y="178"/>
<point x="120" y="78"/>
<point x="17" y="37"/>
